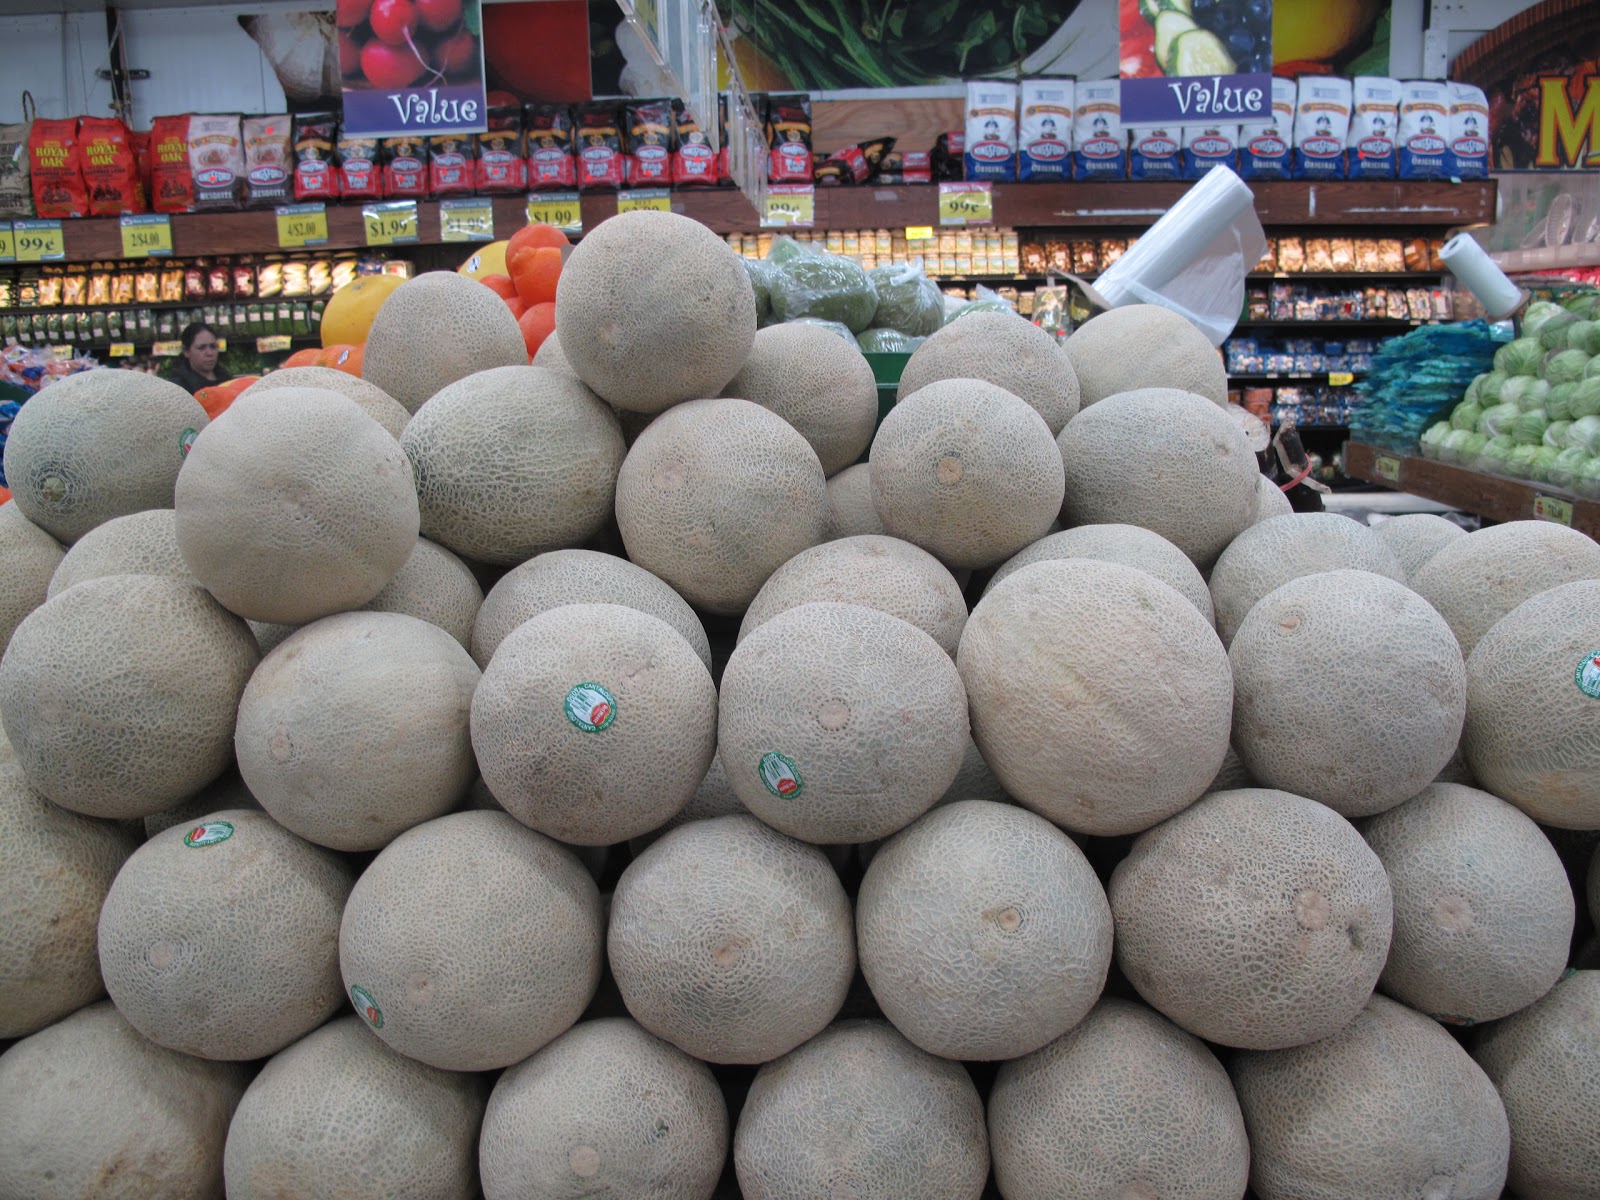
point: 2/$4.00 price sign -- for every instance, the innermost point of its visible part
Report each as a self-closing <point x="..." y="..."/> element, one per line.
<point x="148" y="235"/>
<point x="392" y="223"/>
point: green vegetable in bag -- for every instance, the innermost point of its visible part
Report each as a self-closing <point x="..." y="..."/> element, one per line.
<point x="907" y="300"/>
<point x="829" y="287"/>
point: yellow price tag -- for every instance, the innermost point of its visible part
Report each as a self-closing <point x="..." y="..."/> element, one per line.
<point x="301" y="225"/>
<point x="61" y="353"/>
<point x="1387" y="469"/>
<point x="656" y="198"/>
<point x="966" y="203"/>
<point x="559" y="209"/>
<point x="1340" y="378"/>
<point x="148" y="235"/>
<point x="273" y="344"/>
<point x="121" y="349"/>
<point x="466" y="220"/>
<point x="39" y="241"/>
<point x="390" y="223"/>
<point x="919" y="233"/>
<point x="1549" y="508"/>
<point x="8" y="243"/>
<point x="166" y="349"/>
<point x="790" y="206"/>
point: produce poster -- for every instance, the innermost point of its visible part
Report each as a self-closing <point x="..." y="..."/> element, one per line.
<point x="411" y="67"/>
<point x="1187" y="62"/>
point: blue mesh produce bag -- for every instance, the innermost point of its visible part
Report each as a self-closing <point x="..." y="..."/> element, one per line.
<point x="1417" y="378"/>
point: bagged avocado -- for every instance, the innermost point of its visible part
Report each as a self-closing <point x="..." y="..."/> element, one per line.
<point x="908" y="301"/>
<point x="827" y="286"/>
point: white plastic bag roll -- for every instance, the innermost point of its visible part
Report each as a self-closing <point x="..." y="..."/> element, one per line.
<point x="1474" y="268"/>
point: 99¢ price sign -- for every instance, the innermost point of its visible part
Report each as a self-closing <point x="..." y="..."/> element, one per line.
<point x="392" y="223"/>
<point x="790" y="206"/>
<point x="39" y="241"/>
<point x="966" y="204"/>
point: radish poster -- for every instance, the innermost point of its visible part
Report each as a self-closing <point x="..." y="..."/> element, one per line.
<point x="411" y="67"/>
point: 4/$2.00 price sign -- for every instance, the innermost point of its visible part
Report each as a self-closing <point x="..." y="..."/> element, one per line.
<point x="391" y="223"/>
<point x="559" y="209"/>
<point x="301" y="225"/>
<point x="966" y="204"/>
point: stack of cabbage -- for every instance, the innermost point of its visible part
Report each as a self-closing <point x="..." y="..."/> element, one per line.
<point x="1536" y="415"/>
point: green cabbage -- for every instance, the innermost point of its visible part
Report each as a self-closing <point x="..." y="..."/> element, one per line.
<point x="1521" y="357"/>
<point x="887" y="341"/>
<point x="1474" y="392"/>
<point x="1552" y="334"/>
<point x="1433" y="438"/>
<point x="1493" y="454"/>
<point x="1586" y="399"/>
<point x="907" y="300"/>
<point x="1558" y="401"/>
<point x="1564" y="471"/>
<point x="1497" y="420"/>
<point x="1470" y="446"/>
<point x="1529" y="427"/>
<point x="1520" y="462"/>
<point x="1538" y="313"/>
<point x="1525" y="392"/>
<point x="1565" y="366"/>
<point x="1584" y="434"/>
<point x="1458" y="444"/>
<point x="1592" y="371"/>
<point x="1588" y="480"/>
<point x="827" y="286"/>
<point x="1585" y="336"/>
<point x="1544" y="458"/>
<point x="1555" y="433"/>
<point x="1465" y="415"/>
<point x="1489" y="393"/>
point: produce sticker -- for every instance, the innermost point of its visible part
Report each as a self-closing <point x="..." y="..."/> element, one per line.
<point x="1588" y="675"/>
<point x="411" y="67"/>
<point x="1187" y="62"/>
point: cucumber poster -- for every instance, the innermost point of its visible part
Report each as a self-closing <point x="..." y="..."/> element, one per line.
<point x="1195" y="61"/>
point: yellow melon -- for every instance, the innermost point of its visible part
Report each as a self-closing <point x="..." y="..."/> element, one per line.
<point x="859" y="1110"/>
<point x="143" y="543"/>
<point x="369" y="397"/>
<point x="1006" y="350"/>
<point x="235" y="980"/>
<point x="486" y="260"/>
<point x="1144" y="346"/>
<point x="513" y="462"/>
<point x="348" y="315"/>
<point x="850" y="510"/>
<point x="97" y="445"/>
<point x="731" y="941"/>
<point x="420" y="970"/>
<point x="1254" y="918"/>
<point x="605" y="1109"/>
<point x="32" y="558"/>
<point x="1415" y="538"/>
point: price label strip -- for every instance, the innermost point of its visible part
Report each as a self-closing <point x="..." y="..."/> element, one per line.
<point x="8" y="243"/>
<point x="147" y="235"/>
<point x="166" y="349"/>
<point x="466" y="220"/>
<point x="790" y="206"/>
<point x="1550" y="508"/>
<point x="1340" y="378"/>
<point x="39" y="241"/>
<point x="392" y="223"/>
<point x="1387" y="469"/>
<point x="301" y="225"/>
<point x="559" y="209"/>
<point x="919" y="233"/>
<point x="659" y="199"/>
<point x="273" y="344"/>
<point x="966" y="204"/>
<point x="121" y="349"/>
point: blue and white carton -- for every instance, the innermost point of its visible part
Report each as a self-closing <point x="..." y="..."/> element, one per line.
<point x="1099" y="146"/>
<point x="1044" y="136"/>
<point x="1374" y="126"/>
<point x="1424" y="129"/>
<point x="1264" y="149"/>
<point x="991" y="143"/>
<point x="1469" y="132"/>
<point x="1321" y="124"/>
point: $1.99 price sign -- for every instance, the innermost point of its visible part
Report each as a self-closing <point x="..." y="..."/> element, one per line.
<point x="659" y="199"/>
<point x="966" y="204"/>
<point x="466" y="220"/>
<point x="560" y="210"/>
<point x="391" y="223"/>
<point x="790" y="206"/>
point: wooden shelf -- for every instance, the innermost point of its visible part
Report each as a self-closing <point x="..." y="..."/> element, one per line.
<point x="1412" y="203"/>
<point x="1494" y="496"/>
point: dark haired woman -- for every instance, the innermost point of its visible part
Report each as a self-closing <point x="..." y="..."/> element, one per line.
<point x="198" y="367"/>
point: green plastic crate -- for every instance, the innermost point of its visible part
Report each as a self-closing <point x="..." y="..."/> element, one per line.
<point x="886" y="369"/>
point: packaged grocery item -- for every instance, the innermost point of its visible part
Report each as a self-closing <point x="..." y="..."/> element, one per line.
<point x="602" y="159"/>
<point x="1264" y="149"/>
<point x="316" y="171"/>
<point x="904" y="166"/>
<point x="552" y="165"/>
<point x="216" y="159"/>
<point x="268" y="161"/>
<point x="1044" y="149"/>
<point x="1374" y="121"/>
<point x="1153" y="152"/>
<point x="360" y="172"/>
<point x="991" y="131"/>
<point x="1099" y="148"/>
<point x="452" y="164"/>
<point x="693" y="163"/>
<point x="1424" y="122"/>
<point x="502" y="152"/>
<point x="649" y="161"/>
<point x="405" y="166"/>
<point x="1321" y="124"/>
<point x="949" y="150"/>
<point x="55" y="169"/>
<point x="1208" y="146"/>
<point x="16" y="194"/>
<point x="140" y="144"/>
<point x="110" y="174"/>
<point x="789" y="139"/>
<point x="854" y="164"/>
<point x="1469" y="132"/>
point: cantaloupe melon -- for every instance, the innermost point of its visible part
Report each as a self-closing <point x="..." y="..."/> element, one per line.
<point x="1266" y="556"/>
<point x="513" y="462"/>
<point x="1232" y="774"/>
<point x="965" y="470"/>
<point x="143" y="543"/>
<point x="1100" y="696"/>
<point x="294" y="507"/>
<point x="1388" y="1106"/>
<point x="850" y="510"/>
<point x="1533" y="707"/>
<point x="435" y="586"/>
<point x="434" y="330"/>
<point x="356" y="728"/>
<point x="731" y="941"/>
<point x="579" y="577"/>
<point x="975" y="780"/>
<point x="550" y="355"/>
<point x="605" y="1110"/>
<point x="654" y="309"/>
<point x="1254" y="918"/>
<point x="878" y="572"/>
<point x="718" y="494"/>
<point x="119" y="695"/>
<point x="1414" y="538"/>
<point x="219" y="939"/>
<point x="1476" y="580"/>
<point x="840" y="723"/>
<point x="860" y="1111"/>
<point x="226" y="791"/>
<point x="983" y="931"/>
<point x="90" y="1108"/>
<point x="1166" y="460"/>
<point x="1144" y="346"/>
<point x="714" y="797"/>
<point x="1364" y="640"/>
<point x="97" y="445"/>
<point x="1270" y="501"/>
<point x="594" y="723"/>
<point x="422" y="967"/>
<point x="369" y="397"/>
<point x="1482" y="910"/>
<point x="1006" y="350"/>
<point x="1127" y="544"/>
<point x="339" y="1114"/>
<point x="1545" y="1062"/>
<point x="1124" y="1105"/>
<point x="55" y="870"/>
<point x="824" y="390"/>
<point x="31" y="558"/>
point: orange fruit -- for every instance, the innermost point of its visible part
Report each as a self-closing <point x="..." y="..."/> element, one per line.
<point x="303" y="358"/>
<point x="532" y="237"/>
<point x="517" y="307"/>
<point x="342" y="358"/>
<point x="538" y="323"/>
<point x="350" y="310"/>
<point x="535" y="272"/>
<point x="216" y="399"/>
<point x="500" y="285"/>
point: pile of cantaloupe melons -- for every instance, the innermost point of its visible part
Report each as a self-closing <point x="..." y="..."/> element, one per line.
<point x="580" y="779"/>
